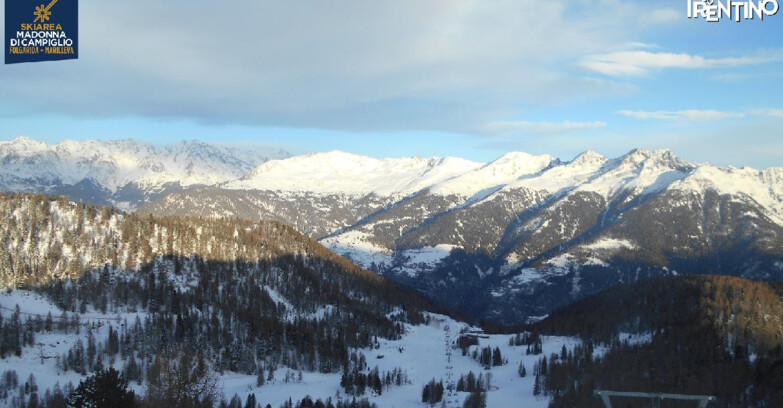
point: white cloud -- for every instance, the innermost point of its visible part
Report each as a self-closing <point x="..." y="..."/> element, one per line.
<point x="539" y="128"/>
<point x="664" y="15"/>
<point x="637" y="63"/>
<point x="775" y="113"/>
<point x="699" y="114"/>
<point x="449" y="65"/>
<point x="640" y="45"/>
<point x="690" y="114"/>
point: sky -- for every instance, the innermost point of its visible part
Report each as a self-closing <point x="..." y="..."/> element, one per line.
<point x="467" y="78"/>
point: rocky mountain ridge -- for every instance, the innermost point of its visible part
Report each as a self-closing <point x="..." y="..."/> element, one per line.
<point x="526" y="233"/>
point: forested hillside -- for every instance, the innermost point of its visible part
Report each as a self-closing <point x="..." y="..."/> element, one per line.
<point x="704" y="335"/>
<point x="208" y="295"/>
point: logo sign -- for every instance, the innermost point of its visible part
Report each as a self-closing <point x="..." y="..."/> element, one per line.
<point x="41" y="30"/>
<point x="714" y="11"/>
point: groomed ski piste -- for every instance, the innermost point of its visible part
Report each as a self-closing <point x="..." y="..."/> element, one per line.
<point x="421" y="354"/>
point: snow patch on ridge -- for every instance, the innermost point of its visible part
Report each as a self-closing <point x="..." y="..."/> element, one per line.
<point x="355" y="245"/>
<point x="610" y="244"/>
<point x="429" y="255"/>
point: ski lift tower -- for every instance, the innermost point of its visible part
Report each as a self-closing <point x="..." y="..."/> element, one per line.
<point x="451" y="399"/>
<point x="701" y="400"/>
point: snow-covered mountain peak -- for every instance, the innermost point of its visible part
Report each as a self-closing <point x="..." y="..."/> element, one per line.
<point x="338" y="172"/>
<point x="563" y="176"/>
<point x="30" y="165"/>
<point x="661" y="157"/>
<point x="588" y="158"/>
<point x="192" y="148"/>
<point x="334" y="162"/>
<point x="69" y="145"/>
<point x="459" y="162"/>
<point x="516" y="164"/>
<point x="765" y="187"/>
<point x="23" y="145"/>
<point x="337" y="157"/>
<point x="495" y="175"/>
<point x="639" y="172"/>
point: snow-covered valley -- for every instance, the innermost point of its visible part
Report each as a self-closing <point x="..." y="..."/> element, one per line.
<point x="421" y="355"/>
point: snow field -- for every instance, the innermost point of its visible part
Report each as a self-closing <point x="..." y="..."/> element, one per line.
<point x="423" y="357"/>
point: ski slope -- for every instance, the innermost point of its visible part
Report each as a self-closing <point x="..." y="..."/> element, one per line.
<point x="421" y="353"/>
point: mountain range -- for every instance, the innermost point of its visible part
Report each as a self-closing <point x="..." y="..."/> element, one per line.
<point x="508" y="240"/>
<point x="123" y="173"/>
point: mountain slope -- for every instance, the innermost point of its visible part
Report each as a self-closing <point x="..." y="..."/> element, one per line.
<point x="317" y="193"/>
<point x="247" y="308"/>
<point x="48" y="240"/>
<point x="281" y="298"/>
<point x="703" y="335"/>
<point x="574" y="228"/>
<point x="530" y="233"/>
<point x="316" y="215"/>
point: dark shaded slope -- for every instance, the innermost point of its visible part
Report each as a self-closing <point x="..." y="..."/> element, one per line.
<point x="707" y="335"/>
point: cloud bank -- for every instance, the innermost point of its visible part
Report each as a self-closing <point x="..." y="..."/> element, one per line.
<point x="637" y="63"/>
<point x="448" y="65"/>
<point x="699" y="114"/>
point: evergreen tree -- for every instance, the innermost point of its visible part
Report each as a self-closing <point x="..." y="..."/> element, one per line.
<point x="537" y="386"/>
<point x="251" y="401"/>
<point x="104" y="389"/>
<point x="497" y="358"/>
<point x="476" y="400"/>
<point x="432" y="392"/>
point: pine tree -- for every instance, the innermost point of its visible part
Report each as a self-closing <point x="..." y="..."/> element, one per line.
<point x="475" y="400"/>
<point x="497" y="358"/>
<point x="235" y="402"/>
<point x="105" y="389"/>
<point x="251" y="401"/>
<point x="537" y="386"/>
<point x="425" y="393"/>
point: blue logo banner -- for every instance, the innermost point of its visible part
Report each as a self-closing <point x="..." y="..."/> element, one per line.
<point x="41" y="30"/>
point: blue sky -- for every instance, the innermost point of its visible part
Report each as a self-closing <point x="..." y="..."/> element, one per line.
<point x="469" y="78"/>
